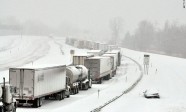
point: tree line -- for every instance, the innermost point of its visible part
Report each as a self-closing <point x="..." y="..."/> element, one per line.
<point x="169" y="40"/>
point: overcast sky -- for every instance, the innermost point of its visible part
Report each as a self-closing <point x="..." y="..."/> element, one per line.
<point x="95" y="14"/>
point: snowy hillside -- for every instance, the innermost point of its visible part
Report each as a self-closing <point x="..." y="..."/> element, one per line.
<point x="169" y="78"/>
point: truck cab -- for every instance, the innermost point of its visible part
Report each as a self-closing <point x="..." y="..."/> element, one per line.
<point x="8" y="103"/>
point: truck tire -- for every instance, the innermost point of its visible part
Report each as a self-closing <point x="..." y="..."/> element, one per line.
<point x="46" y="97"/>
<point x="86" y="86"/>
<point x="68" y="96"/>
<point x="109" y="76"/>
<point x="90" y="84"/>
<point x="36" y="103"/>
<point x="100" y="81"/>
<point x="77" y="90"/>
<point x="63" y="95"/>
<point x="73" y="91"/>
<point x="60" y="95"/>
<point x="40" y="102"/>
<point x="1" y="109"/>
<point x="19" y="104"/>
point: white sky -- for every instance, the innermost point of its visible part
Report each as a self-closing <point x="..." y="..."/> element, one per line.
<point x="95" y="14"/>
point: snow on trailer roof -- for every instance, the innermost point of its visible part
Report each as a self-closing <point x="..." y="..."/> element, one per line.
<point x="111" y="54"/>
<point x="97" y="57"/>
<point x="83" y="55"/>
<point x="91" y="51"/>
<point x="113" y="51"/>
<point x="38" y="68"/>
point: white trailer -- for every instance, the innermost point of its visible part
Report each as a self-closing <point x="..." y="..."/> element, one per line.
<point x="79" y="78"/>
<point x="79" y="59"/>
<point x="118" y="55"/>
<point x="35" y="84"/>
<point x="100" y="68"/>
<point x="114" y="62"/>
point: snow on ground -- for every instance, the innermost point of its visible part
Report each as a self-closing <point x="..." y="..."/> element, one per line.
<point x="17" y="51"/>
<point x="26" y="51"/>
<point x="170" y="80"/>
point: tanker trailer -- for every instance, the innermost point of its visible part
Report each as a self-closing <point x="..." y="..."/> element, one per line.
<point x="79" y="78"/>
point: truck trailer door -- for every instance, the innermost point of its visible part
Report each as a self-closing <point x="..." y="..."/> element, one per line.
<point x="22" y="79"/>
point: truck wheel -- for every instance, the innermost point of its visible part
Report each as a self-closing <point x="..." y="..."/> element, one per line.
<point x="40" y="102"/>
<point x="63" y="94"/>
<point x="68" y="95"/>
<point x="110" y="75"/>
<point x="90" y="84"/>
<point x="19" y="105"/>
<point x="36" y="103"/>
<point x="100" y="81"/>
<point x="77" y="90"/>
<point x="72" y="91"/>
<point x="60" y="95"/>
<point x="86" y="86"/>
<point x="46" y="97"/>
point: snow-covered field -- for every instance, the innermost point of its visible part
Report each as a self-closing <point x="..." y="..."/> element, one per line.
<point x="169" y="79"/>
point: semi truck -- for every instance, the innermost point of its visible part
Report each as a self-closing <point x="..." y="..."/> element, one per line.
<point x="100" y="68"/>
<point x="79" y="78"/>
<point x="118" y="55"/>
<point x="35" y="84"/>
<point x="7" y="102"/>
<point x="114" y="62"/>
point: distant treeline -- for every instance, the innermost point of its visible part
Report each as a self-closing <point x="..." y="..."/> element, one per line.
<point x="170" y="40"/>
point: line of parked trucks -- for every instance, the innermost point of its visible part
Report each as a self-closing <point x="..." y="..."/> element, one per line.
<point x="30" y="86"/>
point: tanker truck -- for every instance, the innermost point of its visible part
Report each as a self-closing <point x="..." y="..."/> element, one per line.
<point x="8" y="103"/>
<point x="79" y="78"/>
